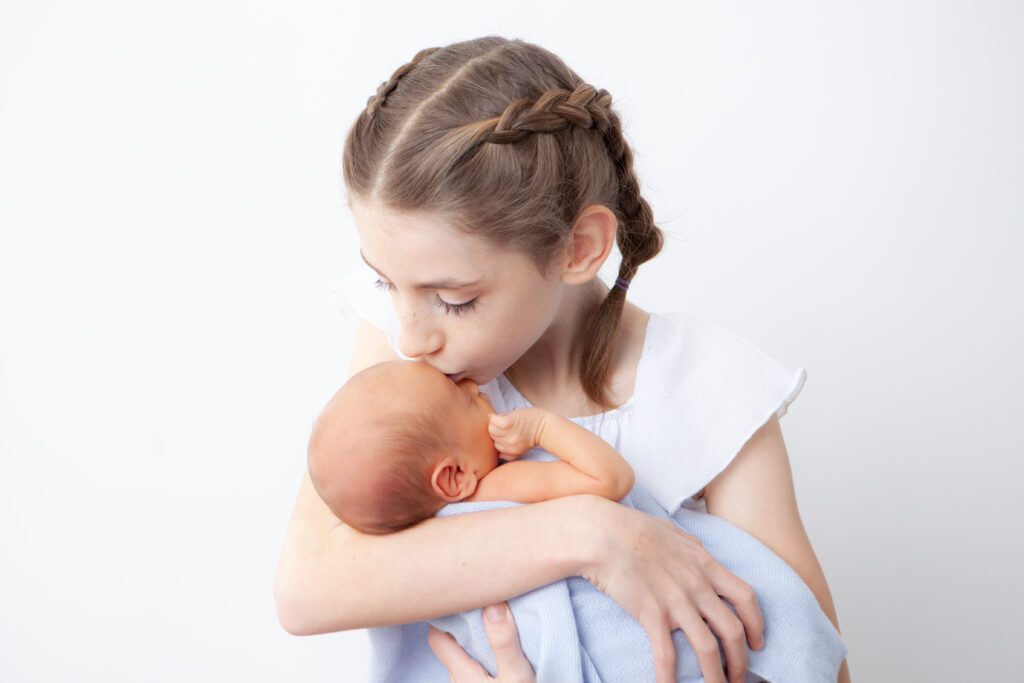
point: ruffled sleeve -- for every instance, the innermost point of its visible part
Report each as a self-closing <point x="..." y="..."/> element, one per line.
<point x="706" y="392"/>
<point x="359" y="298"/>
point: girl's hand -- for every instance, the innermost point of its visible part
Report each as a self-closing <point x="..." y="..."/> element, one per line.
<point x="513" y="666"/>
<point x="517" y="431"/>
<point x="666" y="580"/>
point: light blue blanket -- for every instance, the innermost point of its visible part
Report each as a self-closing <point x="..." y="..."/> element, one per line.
<point x="573" y="633"/>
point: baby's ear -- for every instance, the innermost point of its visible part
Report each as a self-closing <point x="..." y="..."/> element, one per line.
<point x="452" y="480"/>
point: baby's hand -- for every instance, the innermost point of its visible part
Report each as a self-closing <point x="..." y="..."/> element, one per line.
<point x="516" y="432"/>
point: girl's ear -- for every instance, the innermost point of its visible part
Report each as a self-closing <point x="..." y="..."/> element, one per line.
<point x="589" y="244"/>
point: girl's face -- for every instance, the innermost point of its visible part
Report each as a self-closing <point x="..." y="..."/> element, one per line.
<point x="465" y="307"/>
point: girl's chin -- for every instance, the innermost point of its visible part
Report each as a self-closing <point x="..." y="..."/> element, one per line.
<point x="475" y="376"/>
<point x="479" y="378"/>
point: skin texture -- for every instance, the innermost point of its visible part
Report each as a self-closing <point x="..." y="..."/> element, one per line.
<point x="528" y="324"/>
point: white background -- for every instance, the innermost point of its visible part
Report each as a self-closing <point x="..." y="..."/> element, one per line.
<point x="841" y="184"/>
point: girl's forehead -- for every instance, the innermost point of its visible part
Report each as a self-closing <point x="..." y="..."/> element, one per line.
<point x="425" y="250"/>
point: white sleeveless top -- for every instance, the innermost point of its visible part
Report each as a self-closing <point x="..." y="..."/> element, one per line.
<point x="701" y="392"/>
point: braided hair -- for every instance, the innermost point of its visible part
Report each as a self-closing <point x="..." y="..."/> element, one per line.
<point x="503" y="138"/>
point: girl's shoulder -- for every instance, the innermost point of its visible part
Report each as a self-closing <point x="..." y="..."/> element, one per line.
<point x="703" y="392"/>
<point x="698" y="351"/>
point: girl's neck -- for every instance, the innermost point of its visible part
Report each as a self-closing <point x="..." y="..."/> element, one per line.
<point x="550" y="368"/>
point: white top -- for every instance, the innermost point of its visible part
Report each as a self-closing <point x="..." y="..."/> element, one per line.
<point x="701" y="392"/>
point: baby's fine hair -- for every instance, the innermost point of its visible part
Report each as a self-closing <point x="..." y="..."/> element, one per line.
<point x="392" y="488"/>
<point x="402" y="495"/>
<point x="510" y="144"/>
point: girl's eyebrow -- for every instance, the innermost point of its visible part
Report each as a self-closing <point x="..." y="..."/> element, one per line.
<point x="448" y="283"/>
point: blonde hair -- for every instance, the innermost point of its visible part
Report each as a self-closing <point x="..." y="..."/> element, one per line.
<point x="508" y="142"/>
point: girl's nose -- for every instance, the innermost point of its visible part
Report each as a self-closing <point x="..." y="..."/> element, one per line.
<point x="418" y="339"/>
<point x="418" y="347"/>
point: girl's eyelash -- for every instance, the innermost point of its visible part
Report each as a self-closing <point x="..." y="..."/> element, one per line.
<point x="454" y="309"/>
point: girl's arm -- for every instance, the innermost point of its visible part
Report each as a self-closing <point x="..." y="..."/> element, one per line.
<point x="587" y="463"/>
<point x="756" y="493"/>
<point x="332" y="578"/>
<point x="402" y="577"/>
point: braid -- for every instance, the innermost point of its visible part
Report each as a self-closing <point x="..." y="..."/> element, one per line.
<point x="638" y="238"/>
<point x="384" y="89"/>
<point x="583" y="107"/>
<point x="422" y="147"/>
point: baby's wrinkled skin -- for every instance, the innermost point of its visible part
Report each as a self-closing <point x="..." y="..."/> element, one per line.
<point x="401" y="387"/>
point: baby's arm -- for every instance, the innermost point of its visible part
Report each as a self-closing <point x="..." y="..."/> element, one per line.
<point x="587" y="463"/>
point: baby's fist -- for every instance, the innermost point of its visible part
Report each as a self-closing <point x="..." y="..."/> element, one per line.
<point x="515" y="432"/>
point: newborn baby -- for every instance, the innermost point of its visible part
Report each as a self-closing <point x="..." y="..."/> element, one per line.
<point x="400" y="440"/>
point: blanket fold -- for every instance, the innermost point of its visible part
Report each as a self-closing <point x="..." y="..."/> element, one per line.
<point x="573" y="633"/>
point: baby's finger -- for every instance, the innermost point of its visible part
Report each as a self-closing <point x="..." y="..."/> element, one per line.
<point x="502" y="421"/>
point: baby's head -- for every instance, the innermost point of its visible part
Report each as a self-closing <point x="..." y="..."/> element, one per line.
<point x="399" y="441"/>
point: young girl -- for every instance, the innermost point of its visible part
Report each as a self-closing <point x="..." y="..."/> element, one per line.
<point x="488" y="182"/>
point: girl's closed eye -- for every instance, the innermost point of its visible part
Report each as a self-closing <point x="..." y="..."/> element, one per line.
<point x="455" y="309"/>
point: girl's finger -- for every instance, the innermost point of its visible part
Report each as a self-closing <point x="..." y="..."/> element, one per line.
<point x="704" y="646"/>
<point x="729" y="630"/>
<point x="502" y="634"/>
<point x="742" y="597"/>
<point x="662" y="648"/>
<point x="461" y="667"/>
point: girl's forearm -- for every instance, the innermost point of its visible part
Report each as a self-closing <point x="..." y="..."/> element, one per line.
<point x="347" y="580"/>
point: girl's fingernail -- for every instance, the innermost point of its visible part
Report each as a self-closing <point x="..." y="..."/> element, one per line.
<point x="495" y="613"/>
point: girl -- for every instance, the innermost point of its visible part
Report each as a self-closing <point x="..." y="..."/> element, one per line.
<point x="487" y="182"/>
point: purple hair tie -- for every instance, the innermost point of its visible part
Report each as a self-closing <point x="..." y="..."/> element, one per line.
<point x="622" y="282"/>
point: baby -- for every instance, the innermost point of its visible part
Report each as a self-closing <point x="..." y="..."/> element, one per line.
<point x="400" y="440"/>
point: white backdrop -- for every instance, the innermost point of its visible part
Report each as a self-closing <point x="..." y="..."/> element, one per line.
<point x="841" y="184"/>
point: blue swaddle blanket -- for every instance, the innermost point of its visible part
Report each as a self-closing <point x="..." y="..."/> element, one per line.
<point x="573" y="633"/>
